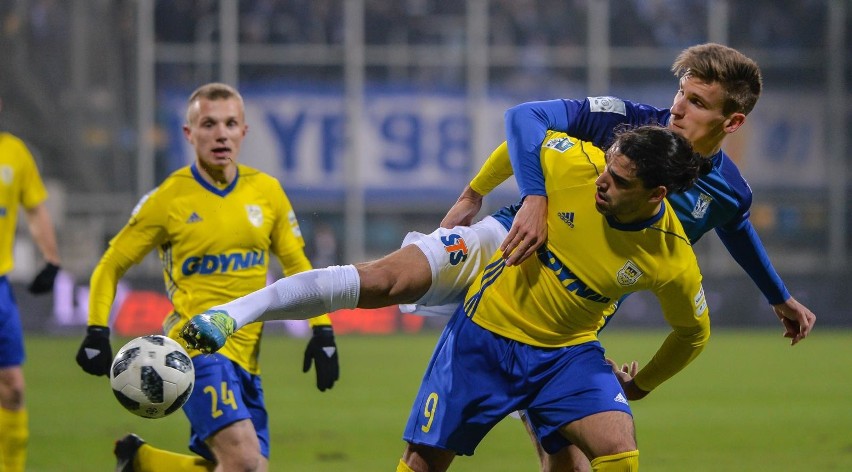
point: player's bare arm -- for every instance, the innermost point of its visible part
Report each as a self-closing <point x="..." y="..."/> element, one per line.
<point x="464" y="210"/>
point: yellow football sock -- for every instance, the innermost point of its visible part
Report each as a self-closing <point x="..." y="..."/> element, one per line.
<point x="623" y="462"/>
<point x="14" y="435"/>
<point x="403" y="467"/>
<point x="150" y="459"/>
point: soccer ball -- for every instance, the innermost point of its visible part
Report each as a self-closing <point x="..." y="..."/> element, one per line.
<point x="152" y="376"/>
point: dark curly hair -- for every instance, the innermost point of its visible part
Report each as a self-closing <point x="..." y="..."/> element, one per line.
<point x="661" y="156"/>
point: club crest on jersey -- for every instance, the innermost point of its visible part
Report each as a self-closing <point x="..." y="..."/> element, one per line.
<point x="629" y="274"/>
<point x="560" y="144"/>
<point x="255" y="215"/>
<point x="701" y="206"/>
<point x="607" y="105"/>
<point x="567" y="217"/>
<point x="456" y="248"/>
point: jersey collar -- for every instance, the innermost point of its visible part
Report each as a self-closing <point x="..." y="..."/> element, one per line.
<point x="639" y="225"/>
<point x="212" y="188"/>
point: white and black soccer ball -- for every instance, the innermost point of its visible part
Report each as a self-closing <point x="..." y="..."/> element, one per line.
<point x="152" y="376"/>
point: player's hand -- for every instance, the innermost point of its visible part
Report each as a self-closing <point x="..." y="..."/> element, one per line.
<point x="464" y="210"/>
<point x="95" y="353"/>
<point x="43" y="281"/>
<point x="528" y="232"/>
<point x="322" y="351"/>
<point x="625" y="375"/>
<point x="797" y="319"/>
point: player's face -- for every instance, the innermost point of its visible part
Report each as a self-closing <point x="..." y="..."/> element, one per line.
<point x="216" y="130"/>
<point x="621" y="194"/>
<point x="697" y="115"/>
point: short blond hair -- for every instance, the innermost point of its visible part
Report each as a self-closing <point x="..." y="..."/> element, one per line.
<point x="739" y="75"/>
<point x="212" y="91"/>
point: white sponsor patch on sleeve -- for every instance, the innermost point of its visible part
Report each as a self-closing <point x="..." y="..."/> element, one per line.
<point x="607" y="105"/>
<point x="294" y="224"/>
<point x="700" y="302"/>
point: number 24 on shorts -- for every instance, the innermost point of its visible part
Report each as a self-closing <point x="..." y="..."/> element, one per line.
<point x="226" y="398"/>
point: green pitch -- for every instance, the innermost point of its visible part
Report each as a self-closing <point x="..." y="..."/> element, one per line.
<point x="750" y="402"/>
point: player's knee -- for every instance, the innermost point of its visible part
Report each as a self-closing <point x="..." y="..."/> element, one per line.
<point x="422" y="458"/>
<point x="392" y="280"/>
<point x="240" y="460"/>
<point x="236" y="447"/>
<point x="569" y="458"/>
<point x="11" y="389"/>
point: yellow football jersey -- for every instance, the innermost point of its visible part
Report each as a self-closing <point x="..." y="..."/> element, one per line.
<point x="214" y="245"/>
<point x="20" y="184"/>
<point x="590" y="261"/>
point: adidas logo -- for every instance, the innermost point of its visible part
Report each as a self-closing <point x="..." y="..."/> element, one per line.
<point x="567" y="217"/>
<point x="620" y="398"/>
<point x="193" y="218"/>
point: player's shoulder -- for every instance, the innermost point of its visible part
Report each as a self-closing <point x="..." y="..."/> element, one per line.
<point x="725" y="178"/>
<point x="672" y="229"/>
<point x="258" y="178"/>
<point x="14" y="146"/>
<point x="624" y="107"/>
<point x="176" y="182"/>
<point x="179" y="184"/>
<point x="562" y="142"/>
<point x="725" y="166"/>
<point x="565" y="158"/>
<point x="9" y="139"/>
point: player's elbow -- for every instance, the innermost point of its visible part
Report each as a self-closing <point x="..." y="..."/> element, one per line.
<point x="696" y="336"/>
<point x="516" y="115"/>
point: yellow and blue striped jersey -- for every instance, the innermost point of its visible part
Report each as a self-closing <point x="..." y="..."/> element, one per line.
<point x="588" y="263"/>
<point x="20" y="185"/>
<point x="214" y="245"/>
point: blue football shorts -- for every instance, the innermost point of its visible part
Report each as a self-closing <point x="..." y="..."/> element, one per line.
<point x="224" y="393"/>
<point x="11" y="332"/>
<point x="476" y="378"/>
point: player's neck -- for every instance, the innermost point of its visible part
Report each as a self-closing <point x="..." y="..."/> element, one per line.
<point x="218" y="176"/>
<point x="638" y="216"/>
<point x="709" y="151"/>
<point x="709" y="147"/>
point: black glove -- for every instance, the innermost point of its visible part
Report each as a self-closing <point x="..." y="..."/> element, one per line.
<point x="322" y="351"/>
<point x="95" y="354"/>
<point x="43" y="282"/>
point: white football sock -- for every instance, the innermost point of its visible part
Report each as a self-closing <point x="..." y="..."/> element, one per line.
<point x="298" y="297"/>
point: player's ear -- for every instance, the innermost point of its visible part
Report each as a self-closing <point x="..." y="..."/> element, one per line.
<point x="658" y="194"/>
<point x="734" y="122"/>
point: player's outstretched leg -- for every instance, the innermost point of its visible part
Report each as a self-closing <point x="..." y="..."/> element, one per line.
<point x="208" y="331"/>
<point x="125" y="451"/>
